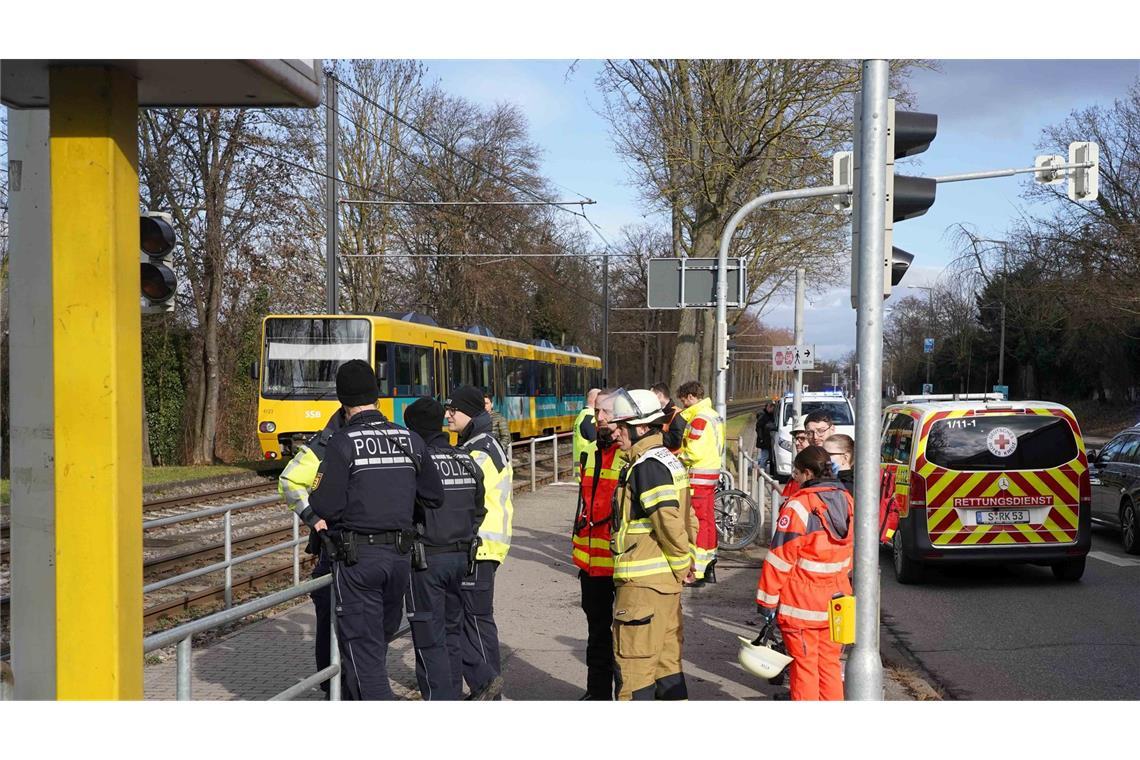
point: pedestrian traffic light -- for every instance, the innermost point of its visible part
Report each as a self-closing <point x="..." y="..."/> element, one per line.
<point x="158" y="282"/>
<point x="908" y="133"/>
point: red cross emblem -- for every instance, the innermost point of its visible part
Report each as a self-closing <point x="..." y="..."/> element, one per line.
<point x="1001" y="442"/>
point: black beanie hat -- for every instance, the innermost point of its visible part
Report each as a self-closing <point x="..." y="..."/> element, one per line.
<point x="356" y="384"/>
<point x="467" y="399"/>
<point x="424" y="416"/>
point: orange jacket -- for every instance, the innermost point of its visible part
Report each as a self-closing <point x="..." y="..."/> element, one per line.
<point x="591" y="540"/>
<point x="809" y="559"/>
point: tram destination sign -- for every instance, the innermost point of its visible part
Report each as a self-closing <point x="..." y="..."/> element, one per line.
<point x="691" y="283"/>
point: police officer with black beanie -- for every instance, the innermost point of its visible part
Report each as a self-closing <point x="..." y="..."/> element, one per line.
<point x="373" y="474"/>
<point x="435" y="609"/>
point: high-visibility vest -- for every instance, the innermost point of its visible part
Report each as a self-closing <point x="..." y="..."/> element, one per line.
<point x="495" y="530"/>
<point x="810" y="555"/>
<point x="580" y="442"/>
<point x="702" y="450"/>
<point x="591" y="541"/>
<point x="640" y="554"/>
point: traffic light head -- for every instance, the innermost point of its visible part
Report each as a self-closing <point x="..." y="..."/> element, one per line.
<point x="158" y="282"/>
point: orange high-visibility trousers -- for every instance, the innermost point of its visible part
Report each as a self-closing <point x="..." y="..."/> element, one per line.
<point x="815" y="670"/>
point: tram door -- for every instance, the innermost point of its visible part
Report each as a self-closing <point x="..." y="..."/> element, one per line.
<point x="442" y="387"/>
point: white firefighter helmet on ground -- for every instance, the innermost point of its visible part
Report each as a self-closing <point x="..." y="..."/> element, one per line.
<point x="636" y="407"/>
<point x="761" y="660"/>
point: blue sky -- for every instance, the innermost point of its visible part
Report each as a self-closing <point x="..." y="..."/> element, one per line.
<point x="991" y="113"/>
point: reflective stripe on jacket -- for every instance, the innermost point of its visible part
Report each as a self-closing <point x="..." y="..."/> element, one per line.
<point x="591" y="540"/>
<point x="495" y="531"/>
<point x="652" y="524"/>
<point x="702" y="449"/>
<point x="810" y="555"/>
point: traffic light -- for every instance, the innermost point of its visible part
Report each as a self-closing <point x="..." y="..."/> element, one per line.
<point x="908" y="133"/>
<point x="1083" y="181"/>
<point x="158" y="283"/>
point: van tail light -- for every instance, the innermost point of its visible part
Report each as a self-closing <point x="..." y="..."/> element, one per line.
<point x="917" y="499"/>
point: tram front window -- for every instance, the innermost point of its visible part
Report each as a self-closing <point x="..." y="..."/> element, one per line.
<point x="301" y="356"/>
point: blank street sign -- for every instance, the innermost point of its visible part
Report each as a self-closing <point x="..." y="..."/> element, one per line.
<point x="699" y="278"/>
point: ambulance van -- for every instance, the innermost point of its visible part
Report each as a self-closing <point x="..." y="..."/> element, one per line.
<point x="973" y="478"/>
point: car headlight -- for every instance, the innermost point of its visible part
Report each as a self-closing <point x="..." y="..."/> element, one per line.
<point x="786" y="445"/>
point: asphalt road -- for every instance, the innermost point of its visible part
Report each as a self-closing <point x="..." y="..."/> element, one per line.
<point x="1015" y="633"/>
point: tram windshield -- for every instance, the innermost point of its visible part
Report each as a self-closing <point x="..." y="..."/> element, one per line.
<point x="301" y="356"/>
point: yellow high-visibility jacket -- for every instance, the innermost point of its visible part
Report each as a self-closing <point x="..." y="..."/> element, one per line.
<point x="702" y="449"/>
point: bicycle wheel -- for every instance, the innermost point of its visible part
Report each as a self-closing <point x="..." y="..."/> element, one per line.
<point x="738" y="519"/>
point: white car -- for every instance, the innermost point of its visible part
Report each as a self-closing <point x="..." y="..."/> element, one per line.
<point x="832" y="402"/>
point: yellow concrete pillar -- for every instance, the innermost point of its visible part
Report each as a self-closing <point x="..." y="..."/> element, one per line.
<point x="98" y="386"/>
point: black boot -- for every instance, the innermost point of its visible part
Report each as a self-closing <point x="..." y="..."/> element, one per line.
<point x="710" y="572"/>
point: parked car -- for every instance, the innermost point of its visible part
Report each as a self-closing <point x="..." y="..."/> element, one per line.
<point x="1115" y="478"/>
<point x="977" y="479"/>
<point x="832" y="402"/>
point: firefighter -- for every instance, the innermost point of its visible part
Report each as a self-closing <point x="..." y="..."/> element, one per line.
<point x="585" y="432"/>
<point x="481" y="659"/>
<point x="673" y="426"/>
<point x="294" y="484"/>
<point x="433" y="604"/>
<point x="809" y="561"/>
<point x="372" y="475"/>
<point x="601" y="463"/>
<point x="702" y="452"/>
<point x="652" y="554"/>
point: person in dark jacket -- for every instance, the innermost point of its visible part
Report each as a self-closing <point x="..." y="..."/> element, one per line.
<point x="372" y="475"/>
<point x="500" y="428"/>
<point x="433" y="603"/>
<point x="765" y="426"/>
<point x="841" y="448"/>
<point x="673" y="425"/>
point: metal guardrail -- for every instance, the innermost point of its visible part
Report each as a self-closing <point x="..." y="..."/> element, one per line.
<point x="757" y="483"/>
<point x="531" y="443"/>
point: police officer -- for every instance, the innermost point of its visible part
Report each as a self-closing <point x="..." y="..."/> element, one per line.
<point x="434" y="607"/>
<point x="373" y="473"/>
<point x="481" y="661"/>
<point x="294" y="485"/>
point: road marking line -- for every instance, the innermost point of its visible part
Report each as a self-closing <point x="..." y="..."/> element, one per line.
<point x="1114" y="559"/>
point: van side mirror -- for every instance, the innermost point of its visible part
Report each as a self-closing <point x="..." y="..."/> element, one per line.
<point x="253" y="370"/>
<point x="1092" y="454"/>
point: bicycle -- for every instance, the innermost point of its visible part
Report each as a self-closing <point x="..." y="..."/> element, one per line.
<point x="738" y="517"/>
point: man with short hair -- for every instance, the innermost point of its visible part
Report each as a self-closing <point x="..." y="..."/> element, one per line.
<point x="500" y="428"/>
<point x="818" y="426"/>
<point x="482" y="663"/>
<point x="584" y="433"/>
<point x="673" y="425"/>
<point x="702" y="453"/>
<point x="841" y="448"/>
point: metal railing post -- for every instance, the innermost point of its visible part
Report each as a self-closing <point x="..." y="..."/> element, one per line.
<point x="334" y="648"/>
<point x="184" y="675"/>
<point x="533" y="488"/>
<point x="296" y="550"/>
<point x="556" y="458"/>
<point x="229" y="562"/>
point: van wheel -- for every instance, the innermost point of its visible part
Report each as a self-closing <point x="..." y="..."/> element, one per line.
<point x="1130" y="527"/>
<point x="1069" y="569"/>
<point x="907" y="570"/>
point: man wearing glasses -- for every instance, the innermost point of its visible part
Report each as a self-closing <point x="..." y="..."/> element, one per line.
<point x="818" y="426"/>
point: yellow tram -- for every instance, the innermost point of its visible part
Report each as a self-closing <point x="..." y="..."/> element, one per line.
<point x="539" y="388"/>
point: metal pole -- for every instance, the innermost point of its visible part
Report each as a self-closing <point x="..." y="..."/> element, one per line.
<point x="556" y="458"/>
<point x="296" y="550"/>
<point x="330" y="194"/>
<point x="1001" y="348"/>
<point x="606" y="319"/>
<point x="334" y="648"/>
<point x="533" y="488"/>
<point x="864" y="678"/>
<point x="229" y="557"/>
<point x="797" y="402"/>
<point x="184" y="675"/>
<point x="722" y="260"/>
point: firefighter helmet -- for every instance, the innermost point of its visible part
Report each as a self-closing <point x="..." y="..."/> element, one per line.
<point x="761" y="660"/>
<point x="636" y="407"/>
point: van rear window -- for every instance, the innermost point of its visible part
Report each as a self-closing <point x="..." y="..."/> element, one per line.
<point x="1001" y="442"/>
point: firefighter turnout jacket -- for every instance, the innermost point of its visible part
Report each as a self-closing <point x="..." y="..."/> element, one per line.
<point x="297" y="478"/>
<point x="457" y="521"/>
<point x="372" y="474"/>
<point x="702" y="450"/>
<point x="810" y="555"/>
<point x="652" y="524"/>
<point x="495" y="530"/>
<point x="591" y="541"/>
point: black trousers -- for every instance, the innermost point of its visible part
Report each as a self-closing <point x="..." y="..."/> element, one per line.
<point x="435" y="612"/>
<point x="598" y="604"/>
<point x="480" y="640"/>
<point x="369" y="609"/>
<point x="321" y="599"/>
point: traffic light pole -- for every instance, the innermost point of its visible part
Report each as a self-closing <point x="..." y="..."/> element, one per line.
<point x="864" y="676"/>
<point x="797" y="399"/>
<point x="722" y="268"/>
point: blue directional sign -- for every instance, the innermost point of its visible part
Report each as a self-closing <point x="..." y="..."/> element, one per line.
<point x="928" y="346"/>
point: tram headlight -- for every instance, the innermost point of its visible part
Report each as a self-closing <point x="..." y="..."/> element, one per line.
<point x="267" y="427"/>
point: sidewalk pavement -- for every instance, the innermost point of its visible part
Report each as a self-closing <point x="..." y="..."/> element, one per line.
<point x="542" y="629"/>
